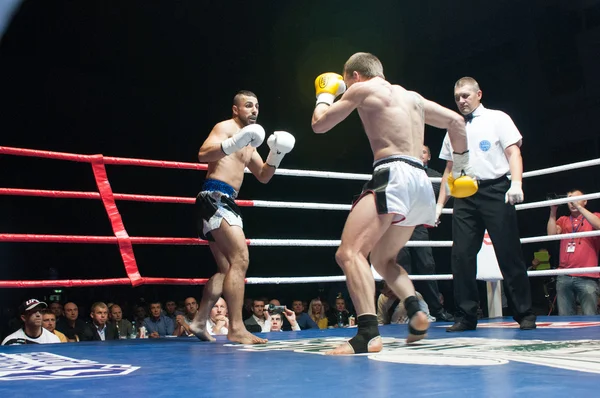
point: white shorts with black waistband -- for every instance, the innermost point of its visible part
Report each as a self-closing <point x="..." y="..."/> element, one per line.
<point x="404" y="190"/>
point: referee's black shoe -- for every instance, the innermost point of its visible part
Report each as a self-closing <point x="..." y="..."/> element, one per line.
<point x="443" y="316"/>
<point x="461" y="326"/>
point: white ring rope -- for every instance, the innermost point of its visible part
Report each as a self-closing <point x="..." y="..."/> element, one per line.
<point x="418" y="243"/>
<point x="566" y="167"/>
<point x="335" y="206"/>
<point x="546" y="203"/>
<point x="347" y="207"/>
<point x="366" y="177"/>
<point x="438" y="277"/>
<point x="300" y="205"/>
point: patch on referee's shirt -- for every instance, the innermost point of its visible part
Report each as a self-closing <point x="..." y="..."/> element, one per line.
<point x="485" y="145"/>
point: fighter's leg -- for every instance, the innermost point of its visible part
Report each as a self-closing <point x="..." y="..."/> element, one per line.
<point x="211" y="293"/>
<point x="383" y="258"/>
<point x="363" y="228"/>
<point x="424" y="264"/>
<point x="231" y="242"/>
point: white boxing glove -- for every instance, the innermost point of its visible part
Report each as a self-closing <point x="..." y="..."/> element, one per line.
<point x="515" y="193"/>
<point x="280" y="142"/>
<point x="252" y="134"/>
<point x="460" y="165"/>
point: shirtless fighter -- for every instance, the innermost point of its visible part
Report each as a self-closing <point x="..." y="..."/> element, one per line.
<point x="399" y="195"/>
<point x="228" y="150"/>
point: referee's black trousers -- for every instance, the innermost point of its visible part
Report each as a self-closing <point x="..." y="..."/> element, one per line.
<point x="487" y="210"/>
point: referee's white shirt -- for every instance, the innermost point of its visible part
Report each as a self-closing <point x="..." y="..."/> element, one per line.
<point x="488" y="135"/>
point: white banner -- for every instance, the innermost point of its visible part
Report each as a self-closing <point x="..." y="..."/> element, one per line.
<point x="487" y="264"/>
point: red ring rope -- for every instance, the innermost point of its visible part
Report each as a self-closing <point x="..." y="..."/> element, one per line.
<point x="108" y="198"/>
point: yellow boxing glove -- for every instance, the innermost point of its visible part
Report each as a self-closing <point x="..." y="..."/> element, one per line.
<point x="462" y="187"/>
<point x="328" y="86"/>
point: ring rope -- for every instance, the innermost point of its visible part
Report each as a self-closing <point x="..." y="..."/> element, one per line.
<point x="147" y="240"/>
<point x="284" y="172"/>
<point x="253" y="280"/>
<point x="437" y="277"/>
<point x="249" y="203"/>
<point x="102" y="282"/>
<point x="125" y="242"/>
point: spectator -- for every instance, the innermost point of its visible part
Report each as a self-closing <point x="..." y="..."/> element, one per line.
<point x="316" y="312"/>
<point x="302" y="317"/>
<point x="258" y="319"/>
<point x="338" y="316"/>
<point x="286" y="324"/>
<point x="247" y="309"/>
<point x="390" y="309"/>
<point x="49" y="323"/>
<point x="139" y="315"/>
<point x="157" y="324"/>
<point x="32" y="331"/>
<point x="71" y="325"/>
<point x="100" y="329"/>
<point x="182" y="322"/>
<point x="543" y="263"/>
<point x="171" y="310"/>
<point x="277" y="321"/>
<point x="57" y="309"/>
<point x="576" y="253"/>
<point x="123" y="326"/>
<point x="218" y="323"/>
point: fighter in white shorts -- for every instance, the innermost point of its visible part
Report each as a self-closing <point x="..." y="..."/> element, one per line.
<point x="401" y="187"/>
<point x="394" y="121"/>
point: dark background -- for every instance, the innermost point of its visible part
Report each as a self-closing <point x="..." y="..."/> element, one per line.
<point x="149" y="79"/>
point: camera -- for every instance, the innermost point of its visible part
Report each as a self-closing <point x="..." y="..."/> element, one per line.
<point x="275" y="309"/>
<point x="553" y="196"/>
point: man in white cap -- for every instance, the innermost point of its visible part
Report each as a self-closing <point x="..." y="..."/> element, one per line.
<point x="32" y="331"/>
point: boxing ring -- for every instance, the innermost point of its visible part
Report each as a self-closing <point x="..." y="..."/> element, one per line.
<point x="561" y="357"/>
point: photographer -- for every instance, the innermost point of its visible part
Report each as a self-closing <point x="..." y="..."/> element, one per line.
<point x="576" y="253"/>
<point x="277" y="320"/>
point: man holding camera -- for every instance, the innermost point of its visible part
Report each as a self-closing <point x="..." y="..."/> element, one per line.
<point x="277" y="320"/>
<point x="576" y="253"/>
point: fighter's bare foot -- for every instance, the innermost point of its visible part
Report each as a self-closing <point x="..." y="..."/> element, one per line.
<point x="417" y="328"/>
<point x="375" y="345"/>
<point x="201" y="332"/>
<point x="245" y="337"/>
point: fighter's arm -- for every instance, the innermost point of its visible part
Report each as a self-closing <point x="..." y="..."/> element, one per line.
<point x="261" y="170"/>
<point x="443" y="195"/>
<point x="326" y="117"/>
<point x="211" y="150"/>
<point x="219" y="144"/>
<point x="443" y="118"/>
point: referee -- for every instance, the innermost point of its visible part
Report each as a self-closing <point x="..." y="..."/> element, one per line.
<point x="494" y="148"/>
